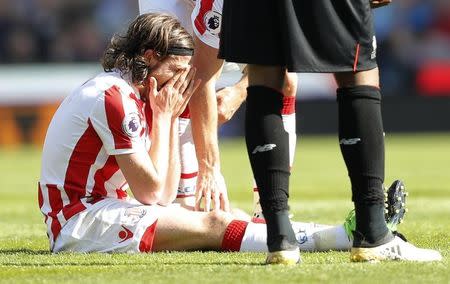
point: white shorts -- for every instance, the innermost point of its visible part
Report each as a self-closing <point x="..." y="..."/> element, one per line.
<point x="110" y="225"/>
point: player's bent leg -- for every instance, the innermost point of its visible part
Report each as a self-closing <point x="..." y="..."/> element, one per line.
<point x="179" y="229"/>
<point x="290" y="84"/>
<point x="288" y="113"/>
<point x="189" y="164"/>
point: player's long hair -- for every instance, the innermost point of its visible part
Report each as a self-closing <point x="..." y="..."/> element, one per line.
<point x="148" y="31"/>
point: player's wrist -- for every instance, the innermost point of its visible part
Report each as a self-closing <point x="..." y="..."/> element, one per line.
<point x="207" y="167"/>
<point x="162" y="122"/>
<point x="162" y="115"/>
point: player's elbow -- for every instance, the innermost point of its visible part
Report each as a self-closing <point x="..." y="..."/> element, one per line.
<point x="165" y="201"/>
<point x="149" y="197"/>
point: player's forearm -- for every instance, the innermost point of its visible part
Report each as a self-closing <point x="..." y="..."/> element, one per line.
<point x="159" y="150"/>
<point x="174" y="167"/>
<point x="203" y="106"/>
<point x="203" y="109"/>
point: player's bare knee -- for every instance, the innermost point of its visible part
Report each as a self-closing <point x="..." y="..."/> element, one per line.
<point x="217" y="220"/>
<point x="265" y="75"/>
<point x="360" y="78"/>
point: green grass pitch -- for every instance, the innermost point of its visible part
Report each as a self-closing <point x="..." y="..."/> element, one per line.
<point x="319" y="192"/>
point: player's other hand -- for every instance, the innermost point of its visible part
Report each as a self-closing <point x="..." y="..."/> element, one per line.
<point x="174" y="96"/>
<point x="211" y="191"/>
<point x="379" y="3"/>
<point x="229" y="100"/>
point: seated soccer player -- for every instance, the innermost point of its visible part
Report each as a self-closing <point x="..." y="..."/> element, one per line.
<point x="104" y="139"/>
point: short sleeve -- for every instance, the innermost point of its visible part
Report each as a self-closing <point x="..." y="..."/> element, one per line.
<point x="180" y="9"/>
<point x="119" y="123"/>
<point x="207" y="20"/>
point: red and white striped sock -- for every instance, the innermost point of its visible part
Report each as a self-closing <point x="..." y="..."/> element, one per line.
<point x="252" y="237"/>
<point x="289" y="123"/>
<point x="245" y="237"/>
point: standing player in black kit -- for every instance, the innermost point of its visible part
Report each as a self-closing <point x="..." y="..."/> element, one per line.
<point x="314" y="36"/>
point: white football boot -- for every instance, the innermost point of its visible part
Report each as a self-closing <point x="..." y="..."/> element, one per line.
<point x="397" y="249"/>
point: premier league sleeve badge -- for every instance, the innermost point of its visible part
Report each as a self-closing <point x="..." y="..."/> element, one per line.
<point x="132" y="125"/>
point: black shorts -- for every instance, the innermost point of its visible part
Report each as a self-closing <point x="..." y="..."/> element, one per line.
<point x="303" y="35"/>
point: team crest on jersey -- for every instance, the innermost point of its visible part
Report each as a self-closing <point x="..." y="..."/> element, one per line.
<point x="213" y="21"/>
<point x="132" y="125"/>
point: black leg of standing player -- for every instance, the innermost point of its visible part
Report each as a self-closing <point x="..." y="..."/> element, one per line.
<point x="361" y="139"/>
<point x="268" y="151"/>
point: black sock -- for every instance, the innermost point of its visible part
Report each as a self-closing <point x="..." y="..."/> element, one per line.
<point x="268" y="151"/>
<point x="361" y="139"/>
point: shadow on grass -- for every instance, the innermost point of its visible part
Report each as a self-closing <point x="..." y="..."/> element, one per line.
<point x="17" y="257"/>
<point x="23" y="251"/>
<point x="128" y="264"/>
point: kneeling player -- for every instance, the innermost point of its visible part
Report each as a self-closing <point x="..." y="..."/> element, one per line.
<point x="202" y="19"/>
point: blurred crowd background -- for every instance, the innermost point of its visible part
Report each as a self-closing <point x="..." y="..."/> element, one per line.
<point x="411" y="34"/>
<point x="47" y="47"/>
<point x="58" y="30"/>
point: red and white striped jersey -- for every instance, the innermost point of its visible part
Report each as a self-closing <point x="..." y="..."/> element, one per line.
<point x="102" y="118"/>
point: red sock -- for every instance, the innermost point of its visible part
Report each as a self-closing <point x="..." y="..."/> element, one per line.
<point x="233" y="236"/>
<point x="288" y="105"/>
